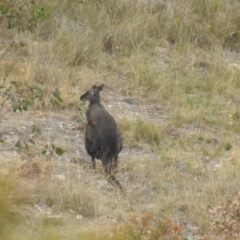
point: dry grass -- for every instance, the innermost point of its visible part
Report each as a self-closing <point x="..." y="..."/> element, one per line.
<point x="62" y="197"/>
<point x="177" y="54"/>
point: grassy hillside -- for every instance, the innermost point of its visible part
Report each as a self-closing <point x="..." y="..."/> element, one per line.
<point x="182" y="57"/>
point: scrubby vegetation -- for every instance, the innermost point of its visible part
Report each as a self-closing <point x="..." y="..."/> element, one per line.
<point x="182" y="57"/>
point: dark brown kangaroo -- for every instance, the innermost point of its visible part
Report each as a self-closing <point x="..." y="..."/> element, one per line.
<point x="103" y="138"/>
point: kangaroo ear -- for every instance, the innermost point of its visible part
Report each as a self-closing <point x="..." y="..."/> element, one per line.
<point x="100" y="87"/>
<point x="94" y="89"/>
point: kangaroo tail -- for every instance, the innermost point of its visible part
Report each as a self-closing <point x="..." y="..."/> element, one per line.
<point x="111" y="178"/>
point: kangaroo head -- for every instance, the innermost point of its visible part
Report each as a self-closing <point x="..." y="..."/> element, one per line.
<point x="92" y="95"/>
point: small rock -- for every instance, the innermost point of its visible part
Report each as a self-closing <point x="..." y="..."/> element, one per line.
<point x="158" y="107"/>
<point x="71" y="126"/>
<point x="102" y="182"/>
<point x="129" y="101"/>
<point x="181" y="166"/>
<point x="60" y="177"/>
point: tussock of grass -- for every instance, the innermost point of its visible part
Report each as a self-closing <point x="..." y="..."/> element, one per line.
<point x="139" y="130"/>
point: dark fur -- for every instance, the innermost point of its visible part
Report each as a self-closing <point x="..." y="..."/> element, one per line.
<point x="103" y="138"/>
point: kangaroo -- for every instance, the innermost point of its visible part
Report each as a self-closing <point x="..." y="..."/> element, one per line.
<point x="103" y="139"/>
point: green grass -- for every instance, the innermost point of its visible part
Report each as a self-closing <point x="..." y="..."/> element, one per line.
<point x="140" y="130"/>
